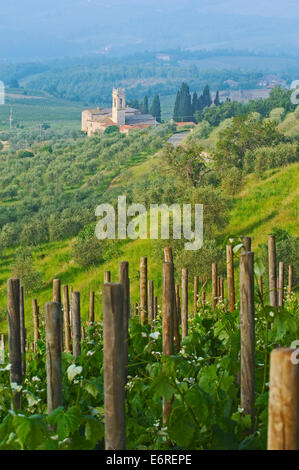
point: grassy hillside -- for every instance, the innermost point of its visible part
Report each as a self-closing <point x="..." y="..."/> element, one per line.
<point x="261" y="205"/>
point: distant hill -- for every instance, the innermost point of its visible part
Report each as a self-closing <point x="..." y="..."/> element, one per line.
<point x="52" y="28"/>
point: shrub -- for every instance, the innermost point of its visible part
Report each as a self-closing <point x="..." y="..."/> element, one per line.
<point x="23" y="269"/>
<point x="87" y="250"/>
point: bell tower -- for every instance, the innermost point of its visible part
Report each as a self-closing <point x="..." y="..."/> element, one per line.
<point x="118" y="106"/>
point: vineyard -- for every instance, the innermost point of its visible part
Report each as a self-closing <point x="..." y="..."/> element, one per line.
<point x="151" y="376"/>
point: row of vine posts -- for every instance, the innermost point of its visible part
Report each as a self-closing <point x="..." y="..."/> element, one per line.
<point x="64" y="332"/>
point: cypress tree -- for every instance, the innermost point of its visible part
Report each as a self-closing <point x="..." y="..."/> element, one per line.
<point x="156" y="108"/>
<point x="176" y="110"/>
<point x="183" y="107"/>
<point x="207" y="101"/>
<point x="195" y="104"/>
<point x="217" y="100"/>
<point x="145" y="105"/>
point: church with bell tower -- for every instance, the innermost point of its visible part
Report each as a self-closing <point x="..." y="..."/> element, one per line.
<point x="120" y="115"/>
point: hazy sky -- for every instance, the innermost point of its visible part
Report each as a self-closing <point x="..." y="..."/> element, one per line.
<point x="41" y="28"/>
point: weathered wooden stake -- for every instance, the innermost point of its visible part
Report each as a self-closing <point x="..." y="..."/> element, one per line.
<point x="168" y="257"/>
<point x="176" y="323"/>
<point x="214" y="285"/>
<point x="107" y="276"/>
<point x="57" y="298"/>
<point x="203" y="298"/>
<point x="290" y="284"/>
<point x="260" y="281"/>
<point x="125" y="282"/>
<point x="230" y="277"/>
<point x="168" y="306"/>
<point x="22" y="330"/>
<point x="184" y="303"/>
<point x="247" y="243"/>
<point x="281" y="284"/>
<point x="283" y="417"/>
<point x="155" y="307"/>
<point x="83" y="332"/>
<point x="143" y="290"/>
<point x="14" y="340"/>
<point x="222" y="289"/>
<point x="151" y="301"/>
<point x="114" y="366"/>
<point x="247" y="334"/>
<point x="53" y="346"/>
<point x="36" y="332"/>
<point x="91" y="308"/>
<point x="67" y="322"/>
<point x="196" y="290"/>
<point x="272" y="270"/>
<point x="76" y="324"/>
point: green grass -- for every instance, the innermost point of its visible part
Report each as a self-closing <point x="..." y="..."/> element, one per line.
<point x="267" y="203"/>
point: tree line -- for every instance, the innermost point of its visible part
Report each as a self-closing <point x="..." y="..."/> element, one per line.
<point x="145" y="108"/>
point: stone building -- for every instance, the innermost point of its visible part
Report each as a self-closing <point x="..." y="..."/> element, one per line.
<point x="126" y="118"/>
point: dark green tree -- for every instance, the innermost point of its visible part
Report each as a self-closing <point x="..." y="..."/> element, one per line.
<point x="145" y="105"/>
<point x="195" y="103"/>
<point x="183" y="107"/>
<point x="156" y="108"/>
<point x="207" y="100"/>
<point x="217" y="99"/>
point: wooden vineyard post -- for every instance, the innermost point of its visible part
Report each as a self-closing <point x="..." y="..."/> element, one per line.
<point x="218" y="287"/>
<point x="114" y="366"/>
<point x="22" y="330"/>
<point x="214" y="285"/>
<point x="280" y="284"/>
<point x="176" y="322"/>
<point x="230" y="277"/>
<point x="67" y="322"/>
<point x="222" y="289"/>
<point x="290" y="284"/>
<point x="260" y="281"/>
<point x="125" y="282"/>
<point x="178" y="301"/>
<point x="151" y="302"/>
<point x="184" y="303"/>
<point x="155" y="307"/>
<point x="36" y="333"/>
<point x="272" y="270"/>
<point x="91" y="308"/>
<point x="56" y="291"/>
<point x="168" y="306"/>
<point x="136" y="309"/>
<point x="247" y="334"/>
<point x="53" y="346"/>
<point x="107" y="276"/>
<point x="203" y="298"/>
<point x="247" y="243"/>
<point x="14" y="339"/>
<point x="76" y="324"/>
<point x="168" y="258"/>
<point x="143" y="290"/>
<point x="83" y="334"/>
<point x="57" y="298"/>
<point x="283" y="417"/>
<point x="196" y="291"/>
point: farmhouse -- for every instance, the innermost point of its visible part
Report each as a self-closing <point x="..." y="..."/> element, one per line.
<point x="126" y="118"/>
